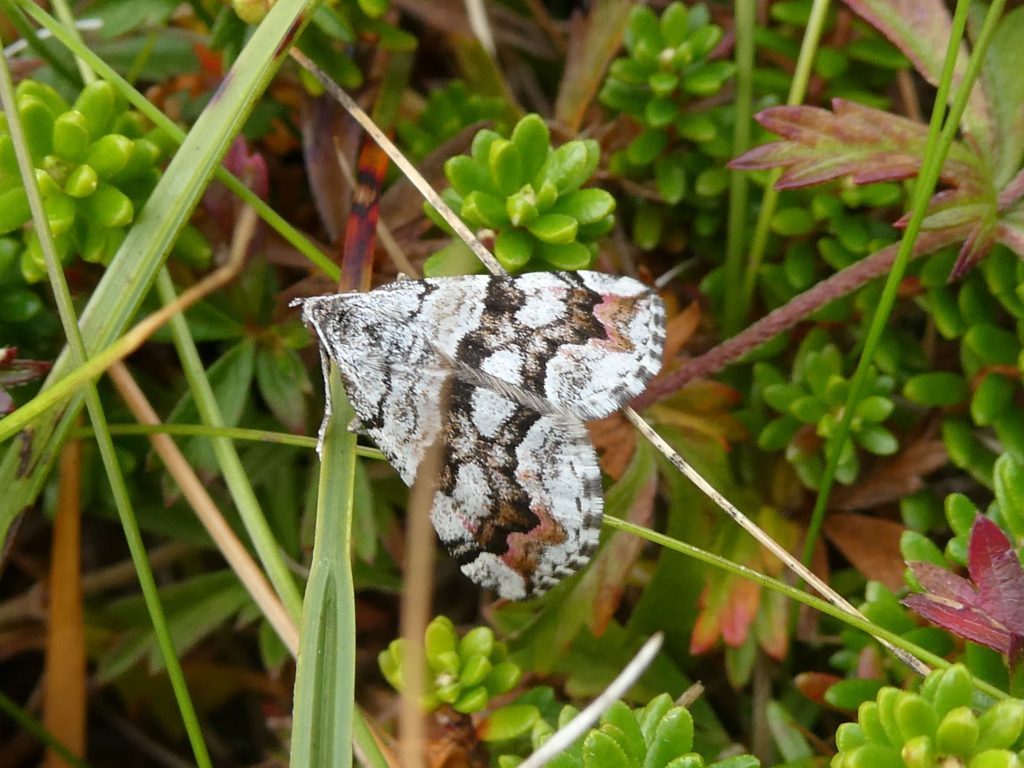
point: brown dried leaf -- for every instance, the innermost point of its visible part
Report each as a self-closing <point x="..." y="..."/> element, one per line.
<point x="892" y="479"/>
<point x="593" y="41"/>
<point x="872" y="544"/>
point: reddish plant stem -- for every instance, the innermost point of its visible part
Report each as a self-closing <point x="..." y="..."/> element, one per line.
<point x="785" y="317"/>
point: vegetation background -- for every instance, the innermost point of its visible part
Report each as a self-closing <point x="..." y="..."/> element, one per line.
<point x="831" y="197"/>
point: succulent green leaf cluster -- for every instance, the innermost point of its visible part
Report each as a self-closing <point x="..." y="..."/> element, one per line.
<point x="811" y="405"/>
<point x="464" y="673"/>
<point x="942" y="726"/>
<point x="659" y="735"/>
<point x="680" y="147"/>
<point x="96" y="163"/>
<point x="447" y="111"/>
<point x="666" y="66"/>
<point x="528" y="195"/>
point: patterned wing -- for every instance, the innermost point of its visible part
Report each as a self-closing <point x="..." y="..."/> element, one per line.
<point x="583" y="343"/>
<point x="392" y="376"/>
<point x="518" y="500"/>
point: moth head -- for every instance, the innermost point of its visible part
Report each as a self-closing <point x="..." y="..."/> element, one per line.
<point x="319" y="311"/>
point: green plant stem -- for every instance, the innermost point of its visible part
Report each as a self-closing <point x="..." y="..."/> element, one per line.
<point x="231" y="433"/>
<point x="325" y="676"/>
<point x="30" y="725"/>
<point x="108" y="454"/>
<point x="940" y="139"/>
<point x="735" y="305"/>
<point x="267" y="548"/>
<point x="794" y="593"/>
<point x="797" y="92"/>
<point x="67" y="18"/>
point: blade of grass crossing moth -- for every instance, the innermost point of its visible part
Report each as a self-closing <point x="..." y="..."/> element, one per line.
<point x="325" y="676"/>
<point x="118" y="295"/>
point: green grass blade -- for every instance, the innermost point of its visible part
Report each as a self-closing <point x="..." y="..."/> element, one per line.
<point x="325" y="677"/>
<point x="940" y="139"/>
<point x="735" y="304"/>
<point x="797" y="91"/>
<point x="30" y="725"/>
<point x="811" y="601"/>
<point x="267" y="548"/>
<point x="119" y="294"/>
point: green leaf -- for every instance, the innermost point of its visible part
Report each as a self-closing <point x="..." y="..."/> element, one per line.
<point x="991" y="399"/>
<point x="569" y="257"/>
<point x="481" y="209"/>
<point x="850" y="694"/>
<point x="874" y="408"/>
<point x="937" y="389"/>
<point x="14" y="210"/>
<point x="600" y="749"/>
<point x="707" y="79"/>
<point x="672" y="738"/>
<point x="533" y="140"/>
<point x="789" y="222"/>
<point x="109" y="207"/>
<point x="109" y="154"/>
<point x="660" y="112"/>
<point x="513" y="248"/>
<point x="554" y="228"/>
<point x="647" y="146"/>
<point x="284" y="385"/>
<point x="467" y="175"/>
<point x="992" y="345"/>
<point x="1004" y="61"/>
<point x="620" y="723"/>
<point x="569" y="166"/>
<point x="505" y="164"/>
<point x="670" y="178"/>
<point x="71" y="135"/>
<point x="586" y="206"/>
<point x="917" y="547"/>
<point x="508" y="722"/>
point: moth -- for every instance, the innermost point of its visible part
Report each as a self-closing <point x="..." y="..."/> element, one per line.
<point x="497" y="374"/>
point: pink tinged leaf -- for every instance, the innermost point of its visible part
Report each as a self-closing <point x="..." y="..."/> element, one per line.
<point x="921" y="30"/>
<point x="975" y="248"/>
<point x="943" y="584"/>
<point x="739" y="612"/>
<point x="1011" y="234"/>
<point x="862" y="143"/>
<point x="965" y="621"/>
<point x="997" y="573"/>
<point x="6" y="403"/>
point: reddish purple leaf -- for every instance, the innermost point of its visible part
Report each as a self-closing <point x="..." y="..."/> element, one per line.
<point x="997" y="573"/>
<point x="855" y="141"/>
<point x="991" y="610"/>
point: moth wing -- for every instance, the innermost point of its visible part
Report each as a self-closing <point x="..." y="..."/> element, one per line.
<point x="518" y="500"/>
<point x="583" y="343"/>
<point x="392" y="376"/>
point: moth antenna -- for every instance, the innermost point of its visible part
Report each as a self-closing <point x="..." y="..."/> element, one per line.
<point x="667" y="277"/>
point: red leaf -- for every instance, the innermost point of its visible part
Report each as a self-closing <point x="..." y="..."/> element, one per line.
<point x="991" y="610"/>
<point x="996" y="571"/>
